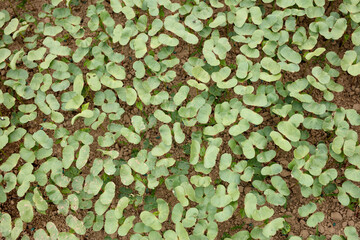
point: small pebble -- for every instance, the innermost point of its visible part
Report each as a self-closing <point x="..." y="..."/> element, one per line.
<point x="285" y="173"/>
<point x="247" y="189"/>
<point x="336" y="216"/>
<point x="357" y="107"/>
<point x="304" y="233"/>
<point x="350" y="214"/>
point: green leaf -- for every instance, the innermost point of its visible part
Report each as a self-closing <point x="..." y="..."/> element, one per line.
<point x="225" y="214"/>
<point x="337" y="144"/>
<point x="4" y="54"/>
<point x="225" y="161"/>
<point x="50" y="30"/>
<point x="315" y="219"/>
<point x="307" y="209"/>
<point x="12" y="26"/>
<point x="290" y="55"/>
<point x="43" y="139"/>
<point x="3" y="17"/>
<point x="5" y="224"/>
<point x="220" y="199"/>
<point x="272" y="227"/>
<point x="271" y="170"/>
<point x="280" y="141"/>
<point x="126" y="175"/>
<point x="200" y="74"/>
<point x="68" y="156"/>
<point x="263" y="213"/>
<point x="241" y="127"/>
<point x="256" y="15"/>
<point x="259" y="100"/>
<point x="25" y="210"/>
<point x="250" y="204"/>
<point x="339" y="28"/>
<point x="150" y="220"/>
<point x="41" y="234"/>
<point x="274" y="198"/>
<point x="352" y="174"/>
<point x="109" y="192"/>
<point x="17" y="74"/>
<point x="301" y="151"/>
<point x="18" y="228"/>
<point x="152" y="63"/>
<point x="179" y="136"/>
<point x="351" y="233"/>
<point x="116" y="6"/>
<point x="280" y="185"/>
<point x="40" y="204"/>
<point x="111" y="222"/>
<point x="163" y="210"/>
<point x="138" y="165"/>
<point x="194" y="23"/>
<point x="126" y="226"/>
<point x="115" y="70"/>
<point x="327" y="176"/>
<point x="270" y="65"/>
<point x="348" y="59"/>
<point x="83" y="157"/>
<point x="240" y="17"/>
<point x="10" y="163"/>
<point x="75" y="224"/>
<point x="353" y="70"/>
<point x="167" y="40"/>
<point x="321" y="75"/>
<point x="316" y="53"/>
<point x="127" y="94"/>
<point x="289" y="130"/>
<point x="181" y="95"/>
<point x="251" y="116"/>
<point x="199" y="181"/>
<point x="212" y="152"/>
<point x="161" y="116"/>
<point x="93" y="81"/>
<point x="51" y="228"/>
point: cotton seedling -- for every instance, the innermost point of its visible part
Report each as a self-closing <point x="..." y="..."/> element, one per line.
<point x="104" y="116"/>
